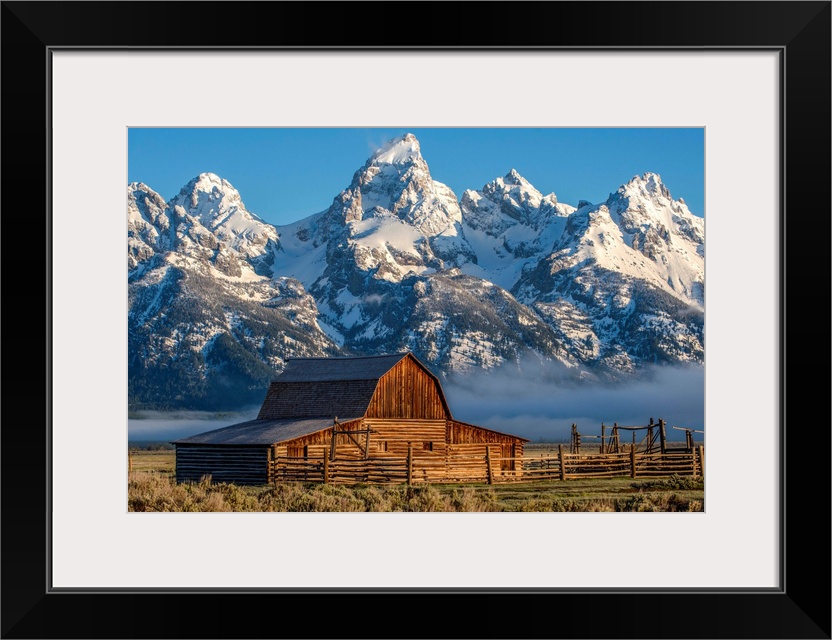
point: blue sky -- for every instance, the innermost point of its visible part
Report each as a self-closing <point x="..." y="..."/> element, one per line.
<point x="285" y="174"/>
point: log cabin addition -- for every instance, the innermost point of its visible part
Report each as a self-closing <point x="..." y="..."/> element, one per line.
<point x="350" y="408"/>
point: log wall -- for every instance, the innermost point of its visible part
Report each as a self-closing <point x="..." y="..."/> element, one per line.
<point x="240" y="465"/>
<point x="467" y="462"/>
<point x="391" y="437"/>
<point x="510" y="451"/>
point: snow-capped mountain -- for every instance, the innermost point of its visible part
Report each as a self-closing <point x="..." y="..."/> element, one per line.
<point x="148" y="224"/>
<point x="393" y="220"/>
<point x="213" y="203"/>
<point x="624" y="281"/>
<point x="383" y="264"/>
<point x="207" y="220"/>
<point x="509" y="224"/>
<point x="398" y="262"/>
<point x="205" y="329"/>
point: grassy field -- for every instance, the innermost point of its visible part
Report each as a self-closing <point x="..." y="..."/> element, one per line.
<point x="152" y="488"/>
<point x="158" y="461"/>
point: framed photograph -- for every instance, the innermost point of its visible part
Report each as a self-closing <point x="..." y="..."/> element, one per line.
<point x="78" y="77"/>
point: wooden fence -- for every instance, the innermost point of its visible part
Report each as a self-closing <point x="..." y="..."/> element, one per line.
<point x="489" y="468"/>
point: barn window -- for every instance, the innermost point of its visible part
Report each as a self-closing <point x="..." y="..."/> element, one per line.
<point x="427" y="446"/>
<point x="382" y="446"/>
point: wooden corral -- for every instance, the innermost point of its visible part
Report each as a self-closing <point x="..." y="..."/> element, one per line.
<point x="463" y="464"/>
<point x="654" y="439"/>
<point x="362" y="419"/>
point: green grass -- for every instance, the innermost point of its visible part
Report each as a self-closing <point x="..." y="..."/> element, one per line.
<point x="152" y="488"/>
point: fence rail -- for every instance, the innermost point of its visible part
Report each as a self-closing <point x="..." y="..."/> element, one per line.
<point x="490" y="467"/>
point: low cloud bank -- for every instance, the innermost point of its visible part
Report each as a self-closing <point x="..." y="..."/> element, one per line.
<point x="535" y="401"/>
<point x="164" y="426"/>
<point x="542" y="402"/>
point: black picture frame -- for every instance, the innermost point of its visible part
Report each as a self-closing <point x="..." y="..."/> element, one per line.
<point x="800" y="608"/>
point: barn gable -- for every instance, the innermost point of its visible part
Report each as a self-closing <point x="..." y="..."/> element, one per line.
<point x="410" y="391"/>
<point x="390" y="386"/>
<point x="311" y="393"/>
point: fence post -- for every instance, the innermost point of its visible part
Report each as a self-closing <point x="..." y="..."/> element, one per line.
<point x="603" y="430"/>
<point x="701" y="462"/>
<point x="562" y="464"/>
<point x="632" y="461"/>
<point x="326" y="468"/>
<point x="409" y="463"/>
<point x="275" y="466"/>
<point x="489" y="471"/>
<point x="334" y="436"/>
<point x="663" y="436"/>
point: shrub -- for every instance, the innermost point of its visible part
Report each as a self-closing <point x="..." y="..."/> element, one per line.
<point x="657" y="502"/>
<point x="677" y="482"/>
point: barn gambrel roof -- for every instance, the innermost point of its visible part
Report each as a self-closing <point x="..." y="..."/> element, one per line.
<point x="326" y="387"/>
<point x="308" y="395"/>
<point x="338" y="369"/>
<point x="329" y="387"/>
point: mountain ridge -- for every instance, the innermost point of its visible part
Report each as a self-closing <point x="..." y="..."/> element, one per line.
<point x="398" y="262"/>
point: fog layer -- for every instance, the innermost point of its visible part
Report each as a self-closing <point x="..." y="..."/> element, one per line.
<point x="543" y="402"/>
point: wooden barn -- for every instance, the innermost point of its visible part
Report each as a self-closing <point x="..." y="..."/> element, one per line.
<point x="355" y="408"/>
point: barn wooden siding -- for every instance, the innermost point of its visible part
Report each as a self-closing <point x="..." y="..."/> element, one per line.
<point x="389" y="439"/>
<point x="240" y="465"/>
<point x="435" y="459"/>
<point x="313" y="444"/>
<point x="442" y="450"/>
<point x="408" y="391"/>
<point x="511" y="447"/>
<point x="393" y="437"/>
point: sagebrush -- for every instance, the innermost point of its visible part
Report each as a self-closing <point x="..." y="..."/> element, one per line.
<point x="151" y="491"/>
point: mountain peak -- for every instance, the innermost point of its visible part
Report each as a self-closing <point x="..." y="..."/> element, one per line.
<point x="513" y="183"/>
<point x="649" y="182"/>
<point x="214" y="192"/>
<point x="513" y="177"/>
<point x="207" y="181"/>
<point x="139" y="186"/>
<point x="400" y="150"/>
